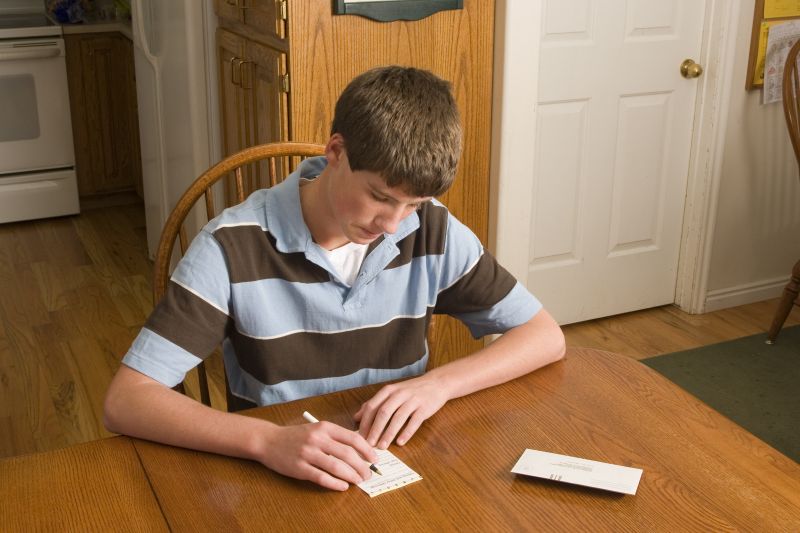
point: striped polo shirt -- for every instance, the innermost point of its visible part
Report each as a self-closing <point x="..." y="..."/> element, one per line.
<point x="254" y="281"/>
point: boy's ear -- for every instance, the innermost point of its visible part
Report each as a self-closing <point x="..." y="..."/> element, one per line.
<point x="334" y="150"/>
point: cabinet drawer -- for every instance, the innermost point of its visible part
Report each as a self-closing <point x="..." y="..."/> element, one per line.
<point x="263" y="20"/>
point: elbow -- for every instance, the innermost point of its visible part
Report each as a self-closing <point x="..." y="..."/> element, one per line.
<point x="559" y="346"/>
<point x="554" y="343"/>
<point x="114" y="407"/>
<point x="110" y="411"/>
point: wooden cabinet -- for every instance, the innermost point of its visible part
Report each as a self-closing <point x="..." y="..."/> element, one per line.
<point x="251" y="61"/>
<point x="105" y="125"/>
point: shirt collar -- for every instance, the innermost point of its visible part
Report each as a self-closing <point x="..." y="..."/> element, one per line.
<point x="285" y="215"/>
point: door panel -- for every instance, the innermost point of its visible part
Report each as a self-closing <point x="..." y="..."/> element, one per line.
<point x="268" y="101"/>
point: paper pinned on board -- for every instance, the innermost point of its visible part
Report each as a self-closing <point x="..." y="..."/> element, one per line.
<point x="780" y="39"/>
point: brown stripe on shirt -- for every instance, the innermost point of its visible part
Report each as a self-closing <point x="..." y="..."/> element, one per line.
<point x="252" y="255"/>
<point x="482" y="287"/>
<point x="427" y="240"/>
<point x="188" y="321"/>
<point x="308" y="355"/>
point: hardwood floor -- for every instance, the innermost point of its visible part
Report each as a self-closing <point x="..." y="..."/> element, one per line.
<point x="667" y="329"/>
<point x="74" y="292"/>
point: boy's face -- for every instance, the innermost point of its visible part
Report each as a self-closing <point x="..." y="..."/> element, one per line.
<point x="363" y="206"/>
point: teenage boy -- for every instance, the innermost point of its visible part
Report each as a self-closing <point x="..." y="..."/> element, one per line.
<point x="328" y="281"/>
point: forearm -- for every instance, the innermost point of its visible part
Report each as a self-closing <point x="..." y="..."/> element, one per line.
<point x="519" y="351"/>
<point x="324" y="453"/>
<point x="398" y="409"/>
<point x="140" y="407"/>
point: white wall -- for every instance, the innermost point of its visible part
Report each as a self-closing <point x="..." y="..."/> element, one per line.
<point x="756" y="238"/>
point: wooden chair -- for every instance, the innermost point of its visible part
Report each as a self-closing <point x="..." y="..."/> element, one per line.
<point x="791" y="110"/>
<point x="252" y="168"/>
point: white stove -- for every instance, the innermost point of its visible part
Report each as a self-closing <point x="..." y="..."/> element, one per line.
<point x="37" y="160"/>
<point x="22" y="25"/>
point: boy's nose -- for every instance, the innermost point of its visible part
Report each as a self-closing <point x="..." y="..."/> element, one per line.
<point x="388" y="224"/>
<point x="389" y="220"/>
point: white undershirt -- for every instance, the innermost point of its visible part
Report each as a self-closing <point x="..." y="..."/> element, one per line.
<point x="347" y="260"/>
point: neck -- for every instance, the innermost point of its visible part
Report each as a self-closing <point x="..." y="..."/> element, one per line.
<point x="317" y="215"/>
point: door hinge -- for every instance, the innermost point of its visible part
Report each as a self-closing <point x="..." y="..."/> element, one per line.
<point x="284" y="81"/>
<point x="284" y="9"/>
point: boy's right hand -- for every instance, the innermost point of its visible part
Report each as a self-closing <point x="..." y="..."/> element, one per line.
<point x="323" y="452"/>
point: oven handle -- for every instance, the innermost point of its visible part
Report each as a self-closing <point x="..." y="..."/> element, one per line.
<point x="30" y="53"/>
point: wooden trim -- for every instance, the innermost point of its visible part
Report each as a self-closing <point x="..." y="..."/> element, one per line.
<point x="705" y="160"/>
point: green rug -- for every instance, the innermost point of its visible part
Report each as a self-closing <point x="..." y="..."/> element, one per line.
<point x="754" y="384"/>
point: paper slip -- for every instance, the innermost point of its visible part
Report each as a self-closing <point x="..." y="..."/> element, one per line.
<point x="578" y="471"/>
<point x="395" y="472"/>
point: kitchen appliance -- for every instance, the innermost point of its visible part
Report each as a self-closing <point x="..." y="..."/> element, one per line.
<point x="173" y="45"/>
<point x="37" y="161"/>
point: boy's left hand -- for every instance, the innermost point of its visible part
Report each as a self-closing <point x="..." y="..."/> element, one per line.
<point x="399" y="406"/>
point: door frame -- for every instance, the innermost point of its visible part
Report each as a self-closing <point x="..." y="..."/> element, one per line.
<point x="516" y="65"/>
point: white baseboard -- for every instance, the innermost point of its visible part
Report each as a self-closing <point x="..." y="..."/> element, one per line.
<point x="744" y="294"/>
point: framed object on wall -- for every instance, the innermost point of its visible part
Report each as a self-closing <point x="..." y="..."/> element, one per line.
<point x="767" y="13"/>
<point x="389" y="10"/>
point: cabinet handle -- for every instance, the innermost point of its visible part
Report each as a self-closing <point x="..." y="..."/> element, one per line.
<point x="235" y="69"/>
<point x="242" y="76"/>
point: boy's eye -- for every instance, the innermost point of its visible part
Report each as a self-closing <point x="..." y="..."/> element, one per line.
<point x="379" y="197"/>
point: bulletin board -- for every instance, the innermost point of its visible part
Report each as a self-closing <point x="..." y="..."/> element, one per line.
<point x="767" y="13"/>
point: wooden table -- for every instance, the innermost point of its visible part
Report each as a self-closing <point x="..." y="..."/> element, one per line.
<point x="97" y="486"/>
<point x="701" y="471"/>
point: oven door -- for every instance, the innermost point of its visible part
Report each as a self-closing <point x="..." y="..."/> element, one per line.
<point x="35" y="127"/>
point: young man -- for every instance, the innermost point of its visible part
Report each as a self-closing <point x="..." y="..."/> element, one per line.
<point x="328" y="281"/>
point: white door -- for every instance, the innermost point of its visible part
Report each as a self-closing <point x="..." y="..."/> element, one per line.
<point x="611" y="155"/>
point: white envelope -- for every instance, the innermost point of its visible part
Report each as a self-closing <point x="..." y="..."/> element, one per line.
<point x="578" y="471"/>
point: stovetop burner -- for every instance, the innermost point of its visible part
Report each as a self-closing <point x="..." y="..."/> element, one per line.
<point x="21" y="25"/>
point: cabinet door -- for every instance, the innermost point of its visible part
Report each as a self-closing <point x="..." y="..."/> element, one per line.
<point x="104" y="117"/>
<point x="235" y="125"/>
<point x="265" y="17"/>
<point x="267" y="102"/>
<point x="229" y="9"/>
<point x="252" y="104"/>
<point x="230" y="56"/>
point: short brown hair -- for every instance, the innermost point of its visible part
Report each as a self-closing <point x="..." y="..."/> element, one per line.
<point x="403" y="124"/>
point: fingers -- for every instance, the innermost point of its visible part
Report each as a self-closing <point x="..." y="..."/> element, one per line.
<point x="412" y="426"/>
<point x="367" y="414"/>
<point x="385" y="415"/>
<point x="398" y="410"/>
<point x="337" y="461"/>
<point x="340" y="452"/>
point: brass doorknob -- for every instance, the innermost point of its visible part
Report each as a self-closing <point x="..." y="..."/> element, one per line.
<point x="690" y="69"/>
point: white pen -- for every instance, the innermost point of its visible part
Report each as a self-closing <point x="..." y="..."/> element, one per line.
<point x="308" y="416"/>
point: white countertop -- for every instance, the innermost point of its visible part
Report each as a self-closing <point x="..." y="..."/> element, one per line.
<point x="122" y="26"/>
